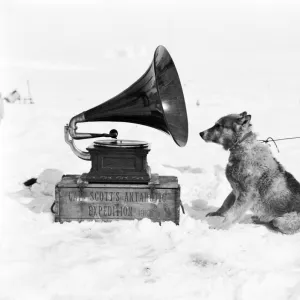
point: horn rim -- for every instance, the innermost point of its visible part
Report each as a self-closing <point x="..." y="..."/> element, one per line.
<point x="179" y="139"/>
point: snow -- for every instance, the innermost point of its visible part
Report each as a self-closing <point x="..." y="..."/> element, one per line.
<point x="41" y="259"/>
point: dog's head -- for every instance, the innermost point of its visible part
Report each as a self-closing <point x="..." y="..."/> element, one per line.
<point x="228" y="130"/>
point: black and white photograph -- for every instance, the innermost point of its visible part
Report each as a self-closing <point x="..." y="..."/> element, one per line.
<point x="149" y="149"/>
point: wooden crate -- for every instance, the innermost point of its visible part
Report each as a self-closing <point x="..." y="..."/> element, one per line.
<point x="159" y="200"/>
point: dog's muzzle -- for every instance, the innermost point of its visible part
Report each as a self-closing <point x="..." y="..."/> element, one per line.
<point x="202" y="134"/>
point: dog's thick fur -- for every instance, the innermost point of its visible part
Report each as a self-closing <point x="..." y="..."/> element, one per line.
<point x="259" y="182"/>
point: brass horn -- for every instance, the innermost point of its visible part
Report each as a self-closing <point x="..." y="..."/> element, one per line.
<point x="155" y="100"/>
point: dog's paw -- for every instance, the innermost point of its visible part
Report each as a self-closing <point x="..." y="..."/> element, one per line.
<point x="214" y="214"/>
<point x="219" y="223"/>
<point x="261" y="220"/>
<point x="221" y="226"/>
<point x="255" y="220"/>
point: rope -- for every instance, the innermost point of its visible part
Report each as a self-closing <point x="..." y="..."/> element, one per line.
<point x="270" y="138"/>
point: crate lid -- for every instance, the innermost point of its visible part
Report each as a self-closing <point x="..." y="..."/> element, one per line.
<point x="71" y="180"/>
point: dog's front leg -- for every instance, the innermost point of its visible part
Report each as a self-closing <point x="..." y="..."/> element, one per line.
<point x="227" y="204"/>
<point x="243" y="202"/>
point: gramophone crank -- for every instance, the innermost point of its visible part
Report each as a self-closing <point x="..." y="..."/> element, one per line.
<point x="119" y="184"/>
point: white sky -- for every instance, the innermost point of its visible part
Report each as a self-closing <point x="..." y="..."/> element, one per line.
<point x="220" y="45"/>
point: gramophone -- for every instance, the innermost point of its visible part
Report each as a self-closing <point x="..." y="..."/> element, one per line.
<point x="119" y="173"/>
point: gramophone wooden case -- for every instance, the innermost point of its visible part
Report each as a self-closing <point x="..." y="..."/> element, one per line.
<point x="159" y="200"/>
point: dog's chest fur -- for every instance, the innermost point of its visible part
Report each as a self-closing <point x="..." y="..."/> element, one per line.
<point x="249" y="163"/>
<point x="238" y="169"/>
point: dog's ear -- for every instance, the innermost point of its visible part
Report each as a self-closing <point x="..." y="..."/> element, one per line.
<point x="244" y="119"/>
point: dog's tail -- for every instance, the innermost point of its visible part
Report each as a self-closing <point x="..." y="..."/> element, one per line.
<point x="289" y="223"/>
<point x="30" y="182"/>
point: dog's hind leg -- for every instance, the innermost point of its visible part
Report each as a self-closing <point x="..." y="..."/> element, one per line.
<point x="227" y="204"/>
<point x="289" y="223"/>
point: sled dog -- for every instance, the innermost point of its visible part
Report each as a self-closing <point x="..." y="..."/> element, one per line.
<point x="259" y="182"/>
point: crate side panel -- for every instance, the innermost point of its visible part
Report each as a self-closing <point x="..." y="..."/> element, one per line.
<point x="117" y="203"/>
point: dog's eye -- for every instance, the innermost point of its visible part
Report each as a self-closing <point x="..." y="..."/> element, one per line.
<point x="218" y="126"/>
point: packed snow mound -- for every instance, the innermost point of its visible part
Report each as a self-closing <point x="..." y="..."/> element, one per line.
<point x="39" y="197"/>
<point x="46" y="182"/>
<point x="50" y="176"/>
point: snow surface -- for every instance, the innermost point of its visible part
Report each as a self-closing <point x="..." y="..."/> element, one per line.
<point x="40" y="259"/>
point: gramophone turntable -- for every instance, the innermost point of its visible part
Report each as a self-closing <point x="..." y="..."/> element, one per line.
<point x="120" y="177"/>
